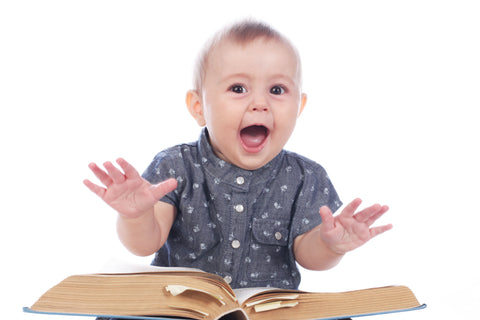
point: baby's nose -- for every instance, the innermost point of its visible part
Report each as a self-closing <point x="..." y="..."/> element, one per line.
<point x="259" y="108"/>
<point x="259" y="103"/>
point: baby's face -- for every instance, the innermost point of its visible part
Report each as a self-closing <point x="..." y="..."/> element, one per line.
<point x="251" y="100"/>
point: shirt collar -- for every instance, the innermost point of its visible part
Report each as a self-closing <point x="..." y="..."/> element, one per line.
<point x="225" y="172"/>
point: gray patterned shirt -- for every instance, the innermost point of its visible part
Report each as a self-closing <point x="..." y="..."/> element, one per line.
<point x="237" y="223"/>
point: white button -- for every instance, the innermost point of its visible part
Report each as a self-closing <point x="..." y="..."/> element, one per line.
<point x="278" y="235"/>
<point x="235" y="244"/>
<point x="227" y="279"/>
<point x="239" y="208"/>
<point x="240" y="180"/>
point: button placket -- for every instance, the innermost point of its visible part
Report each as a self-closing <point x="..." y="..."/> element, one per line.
<point x="240" y="180"/>
<point x="235" y="244"/>
<point x="239" y="208"/>
<point x="238" y="224"/>
<point x="228" y="279"/>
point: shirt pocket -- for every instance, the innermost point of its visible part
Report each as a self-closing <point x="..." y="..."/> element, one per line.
<point x="194" y="236"/>
<point x="269" y="258"/>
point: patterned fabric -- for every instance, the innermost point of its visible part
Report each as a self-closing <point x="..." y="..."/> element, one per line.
<point x="237" y="223"/>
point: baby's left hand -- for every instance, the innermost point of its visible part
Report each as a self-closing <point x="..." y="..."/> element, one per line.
<point x="350" y="230"/>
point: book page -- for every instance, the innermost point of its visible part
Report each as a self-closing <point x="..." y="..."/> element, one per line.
<point x="115" y="266"/>
<point x="245" y="293"/>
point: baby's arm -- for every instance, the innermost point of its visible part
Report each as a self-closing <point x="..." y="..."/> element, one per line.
<point x="324" y="246"/>
<point x="143" y="222"/>
<point x="146" y="234"/>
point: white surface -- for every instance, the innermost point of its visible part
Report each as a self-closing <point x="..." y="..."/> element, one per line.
<point x="393" y="106"/>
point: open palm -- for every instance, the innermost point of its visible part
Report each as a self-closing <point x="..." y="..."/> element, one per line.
<point x="127" y="192"/>
<point x="350" y="230"/>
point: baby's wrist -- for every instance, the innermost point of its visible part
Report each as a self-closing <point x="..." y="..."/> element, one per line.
<point x="337" y="252"/>
<point x="135" y="217"/>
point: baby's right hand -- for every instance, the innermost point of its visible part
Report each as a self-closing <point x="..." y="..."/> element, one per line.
<point x="127" y="192"/>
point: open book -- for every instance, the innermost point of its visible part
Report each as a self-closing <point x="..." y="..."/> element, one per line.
<point x="189" y="293"/>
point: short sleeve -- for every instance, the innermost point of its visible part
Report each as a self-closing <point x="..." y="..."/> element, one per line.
<point x="317" y="191"/>
<point x="160" y="169"/>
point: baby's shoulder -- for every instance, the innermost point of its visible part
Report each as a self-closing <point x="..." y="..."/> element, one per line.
<point x="180" y="152"/>
<point x="302" y="163"/>
<point x="173" y="162"/>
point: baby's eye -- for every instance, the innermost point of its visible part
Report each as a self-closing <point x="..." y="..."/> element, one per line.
<point x="238" y="88"/>
<point x="277" y="90"/>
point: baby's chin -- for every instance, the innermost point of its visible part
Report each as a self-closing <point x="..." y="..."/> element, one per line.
<point x="254" y="161"/>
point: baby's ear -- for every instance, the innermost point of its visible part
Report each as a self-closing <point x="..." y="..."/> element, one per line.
<point x="194" y="105"/>
<point x="303" y="102"/>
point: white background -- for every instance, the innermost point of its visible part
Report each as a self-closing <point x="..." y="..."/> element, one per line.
<point x="392" y="85"/>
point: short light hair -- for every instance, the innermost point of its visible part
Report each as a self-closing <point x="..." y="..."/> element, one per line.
<point x="242" y="33"/>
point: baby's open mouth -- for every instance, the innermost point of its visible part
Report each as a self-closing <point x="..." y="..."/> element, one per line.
<point x="254" y="136"/>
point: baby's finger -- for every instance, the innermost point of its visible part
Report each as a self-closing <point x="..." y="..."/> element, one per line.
<point x="164" y="187"/>
<point x="367" y="213"/>
<point x="350" y="209"/>
<point x="130" y="171"/>
<point x="99" y="191"/>
<point x="379" y="230"/>
<point x="328" y="221"/>
<point x="116" y="175"/>
<point x="100" y="174"/>
<point x="376" y="216"/>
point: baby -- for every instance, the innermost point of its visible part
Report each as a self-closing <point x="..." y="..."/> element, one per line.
<point x="235" y="203"/>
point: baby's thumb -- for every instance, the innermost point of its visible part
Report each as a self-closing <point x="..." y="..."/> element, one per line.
<point x="164" y="187"/>
<point x="328" y="221"/>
